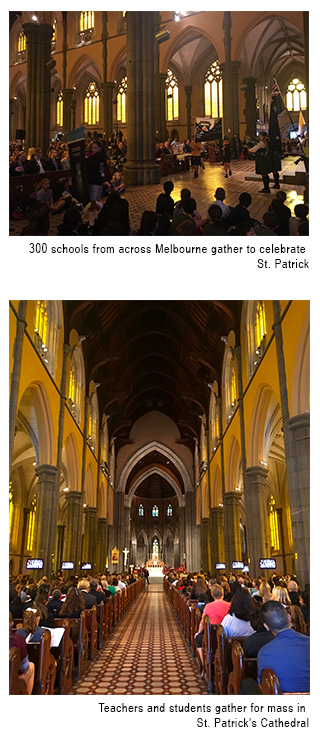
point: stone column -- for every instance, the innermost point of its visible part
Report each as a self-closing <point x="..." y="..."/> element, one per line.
<point x="298" y="499"/>
<point x="14" y="118"/>
<point x="299" y="426"/>
<point x="68" y="95"/>
<point x="232" y="538"/>
<point x="141" y="167"/>
<point x="257" y="516"/>
<point x="45" y="531"/>
<point x="230" y="125"/>
<point x="119" y="527"/>
<point x="251" y="106"/>
<point x="108" y="93"/>
<point x="217" y="538"/>
<point x="182" y="531"/>
<point x="90" y="535"/>
<point x="38" y="84"/>
<point x="55" y="502"/>
<point x="160" y="107"/>
<point x="102" y="544"/>
<point x="192" y="534"/>
<point x="188" y="90"/>
<point x="73" y="531"/>
<point x="205" y="544"/>
<point x="15" y="375"/>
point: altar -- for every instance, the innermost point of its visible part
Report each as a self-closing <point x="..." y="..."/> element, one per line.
<point x="155" y="568"/>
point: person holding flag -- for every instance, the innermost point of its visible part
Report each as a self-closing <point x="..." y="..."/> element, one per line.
<point x="268" y="151"/>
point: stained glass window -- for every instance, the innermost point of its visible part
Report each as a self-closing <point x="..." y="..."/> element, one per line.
<point x="122" y="101"/>
<point x="172" y="96"/>
<point x="91" y="105"/>
<point x="274" y="525"/>
<point x="31" y="524"/>
<point x="213" y="92"/>
<point x="169" y="510"/>
<point x="86" y="22"/>
<point x="296" y="96"/>
<point x="21" y="43"/>
<point x="155" y="511"/>
<point x="60" y="110"/>
<point x="141" y="510"/>
<point x="261" y="327"/>
<point x="41" y="328"/>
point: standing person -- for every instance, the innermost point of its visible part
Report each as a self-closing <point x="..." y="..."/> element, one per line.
<point x="195" y="157"/>
<point x="226" y="157"/>
<point x="266" y="162"/>
<point x="96" y="174"/>
<point x="146" y="575"/>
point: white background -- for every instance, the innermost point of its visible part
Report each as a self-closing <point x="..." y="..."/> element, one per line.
<point x="78" y="718"/>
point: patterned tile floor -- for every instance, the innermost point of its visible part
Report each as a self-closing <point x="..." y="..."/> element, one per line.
<point x="146" y="655"/>
<point x="142" y="198"/>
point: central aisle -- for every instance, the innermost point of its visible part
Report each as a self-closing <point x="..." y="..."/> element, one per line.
<point x="146" y="655"/>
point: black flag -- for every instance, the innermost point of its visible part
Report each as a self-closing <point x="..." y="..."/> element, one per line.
<point x="276" y="107"/>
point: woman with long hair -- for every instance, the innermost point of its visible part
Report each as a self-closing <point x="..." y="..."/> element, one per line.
<point x="238" y="620"/>
<point x="73" y="604"/>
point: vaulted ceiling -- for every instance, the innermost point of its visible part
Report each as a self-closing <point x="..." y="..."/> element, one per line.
<point x="153" y="355"/>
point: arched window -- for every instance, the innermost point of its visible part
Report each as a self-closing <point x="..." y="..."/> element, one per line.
<point x="31" y="524"/>
<point x="60" y="110"/>
<point x="169" y="510"/>
<point x="46" y="330"/>
<point x="155" y="512"/>
<point x="22" y="44"/>
<point x="141" y="510"/>
<point x="93" y="419"/>
<point x="122" y="101"/>
<point x="11" y="508"/>
<point x="296" y="96"/>
<point x="230" y="384"/>
<point x="274" y="526"/>
<point x="86" y="21"/>
<point x="213" y="100"/>
<point x="91" y="104"/>
<point x="255" y="327"/>
<point x="75" y="383"/>
<point x="172" y="97"/>
<point x="54" y="35"/>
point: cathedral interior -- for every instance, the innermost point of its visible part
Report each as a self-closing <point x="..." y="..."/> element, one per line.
<point x="172" y="431"/>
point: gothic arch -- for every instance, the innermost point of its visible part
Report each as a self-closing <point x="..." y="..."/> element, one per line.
<point x="233" y="465"/>
<point x="90" y="487"/>
<point x="216" y="492"/>
<point x="72" y="462"/>
<point x="35" y="412"/>
<point x="154" y="446"/>
<point x="141" y="478"/>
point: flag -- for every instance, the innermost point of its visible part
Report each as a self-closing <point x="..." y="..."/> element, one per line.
<point x="301" y="123"/>
<point x="207" y="128"/>
<point x="276" y="107"/>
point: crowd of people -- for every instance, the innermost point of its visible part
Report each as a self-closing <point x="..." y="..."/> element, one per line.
<point x="273" y="615"/>
<point x="107" y="212"/>
<point x="38" y="603"/>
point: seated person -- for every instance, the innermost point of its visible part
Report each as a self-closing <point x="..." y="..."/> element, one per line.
<point x="31" y="630"/>
<point x="44" y="193"/>
<point x="189" y="206"/>
<point x="149" y="223"/>
<point x="240" y="213"/>
<point x="73" y="604"/>
<point x="214" y="226"/>
<point x="220" y="196"/>
<point x="84" y="589"/>
<point x="163" y="215"/>
<point x="259" y="638"/>
<point x="301" y="213"/>
<point x="216" y="611"/>
<point x="55" y="603"/>
<point x="269" y="226"/>
<point x="288" y="654"/>
<point x="237" y="621"/>
<point x="26" y="669"/>
<point x="167" y="189"/>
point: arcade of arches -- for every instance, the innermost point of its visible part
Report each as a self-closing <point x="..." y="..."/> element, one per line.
<point x="174" y="431"/>
<point x="152" y="73"/>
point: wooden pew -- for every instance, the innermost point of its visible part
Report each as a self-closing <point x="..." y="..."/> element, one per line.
<point x="270" y="684"/>
<point x="45" y="665"/>
<point x="16" y="686"/>
<point x="65" y="660"/>
<point x="242" y="667"/>
<point x="92" y="628"/>
<point x="209" y="645"/>
<point x="222" y="660"/>
<point x="196" y="615"/>
<point x="80" y="640"/>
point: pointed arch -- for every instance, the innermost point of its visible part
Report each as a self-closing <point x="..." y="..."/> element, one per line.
<point x="233" y="465"/>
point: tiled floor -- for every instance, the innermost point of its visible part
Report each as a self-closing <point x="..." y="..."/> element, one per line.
<point x="142" y="198"/>
<point x="146" y="655"/>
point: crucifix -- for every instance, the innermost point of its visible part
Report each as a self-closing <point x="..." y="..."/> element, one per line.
<point x="126" y="553"/>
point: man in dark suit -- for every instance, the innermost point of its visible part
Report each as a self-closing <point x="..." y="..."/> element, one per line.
<point x="288" y="654"/>
<point x="96" y="591"/>
<point x="89" y="599"/>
